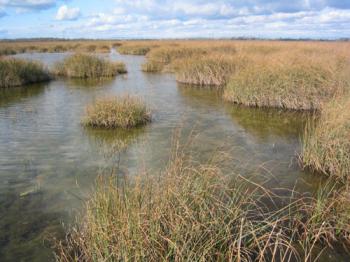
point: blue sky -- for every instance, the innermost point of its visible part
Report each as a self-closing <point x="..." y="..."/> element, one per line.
<point x="174" y="19"/>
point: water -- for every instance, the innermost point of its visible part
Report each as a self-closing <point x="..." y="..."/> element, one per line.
<point x="48" y="161"/>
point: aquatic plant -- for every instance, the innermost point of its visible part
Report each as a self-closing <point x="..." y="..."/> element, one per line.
<point x="103" y="49"/>
<point x="91" y="48"/>
<point x="17" y="72"/>
<point x="117" y="112"/>
<point x="88" y="66"/>
<point x="326" y="142"/>
<point x="208" y="70"/>
<point x="133" y="49"/>
<point x="290" y="82"/>
<point x="193" y="212"/>
<point x="160" y="59"/>
<point x="7" y="51"/>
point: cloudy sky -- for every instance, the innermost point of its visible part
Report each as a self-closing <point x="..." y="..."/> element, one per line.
<point x="174" y="19"/>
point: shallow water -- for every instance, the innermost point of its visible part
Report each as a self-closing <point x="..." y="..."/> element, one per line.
<point x="48" y="161"/>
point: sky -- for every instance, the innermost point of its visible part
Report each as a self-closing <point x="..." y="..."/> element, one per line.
<point x="126" y="19"/>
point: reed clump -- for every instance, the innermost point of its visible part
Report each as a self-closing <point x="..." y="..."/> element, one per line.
<point x="7" y="51"/>
<point x="193" y="212"/>
<point x="133" y="49"/>
<point x="326" y="142"/>
<point x="163" y="58"/>
<point x="117" y="112"/>
<point x="17" y="72"/>
<point x="210" y="70"/>
<point x="88" y="66"/>
<point x="291" y="83"/>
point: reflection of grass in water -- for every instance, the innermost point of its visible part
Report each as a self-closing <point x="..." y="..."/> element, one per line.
<point x="260" y="122"/>
<point x="204" y="94"/>
<point x="90" y="82"/>
<point x="15" y="94"/>
<point x="112" y="142"/>
<point x="264" y="123"/>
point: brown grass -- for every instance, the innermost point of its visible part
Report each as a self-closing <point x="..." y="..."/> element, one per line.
<point x="17" y="72"/>
<point x="326" y="142"/>
<point x="207" y="70"/>
<point x="88" y="66"/>
<point x="288" y="81"/>
<point x="135" y="48"/>
<point x="99" y="46"/>
<point x="193" y="212"/>
<point x="291" y="75"/>
<point x="117" y="112"/>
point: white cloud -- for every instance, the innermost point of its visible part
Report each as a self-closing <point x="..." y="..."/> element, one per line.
<point x="28" y="4"/>
<point x="66" y="13"/>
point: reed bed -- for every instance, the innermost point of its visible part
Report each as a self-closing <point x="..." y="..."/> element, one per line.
<point x="88" y="66"/>
<point x="58" y="46"/>
<point x="7" y="51"/>
<point x="289" y="75"/>
<point x="133" y="49"/>
<point x="326" y="142"/>
<point x="194" y="212"/>
<point x="117" y="112"/>
<point x="161" y="59"/>
<point x="289" y="82"/>
<point x="17" y="72"/>
<point x="210" y="70"/>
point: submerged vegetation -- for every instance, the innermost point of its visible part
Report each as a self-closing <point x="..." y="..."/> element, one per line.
<point x="117" y="112"/>
<point x="88" y="66"/>
<point x="195" y="212"/>
<point x="17" y="72"/>
<point x="326" y="145"/>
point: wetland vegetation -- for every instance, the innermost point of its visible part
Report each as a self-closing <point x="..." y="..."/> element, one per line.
<point x="88" y="66"/>
<point x="16" y="72"/>
<point x="326" y="145"/>
<point x="194" y="209"/>
<point x="125" y="112"/>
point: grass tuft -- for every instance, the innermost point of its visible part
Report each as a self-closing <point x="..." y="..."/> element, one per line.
<point x="133" y="49"/>
<point x="117" y="112"/>
<point x="326" y="143"/>
<point x="88" y="66"/>
<point x="16" y="72"/>
<point x="210" y="70"/>
<point x="193" y="212"/>
<point x="289" y="83"/>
